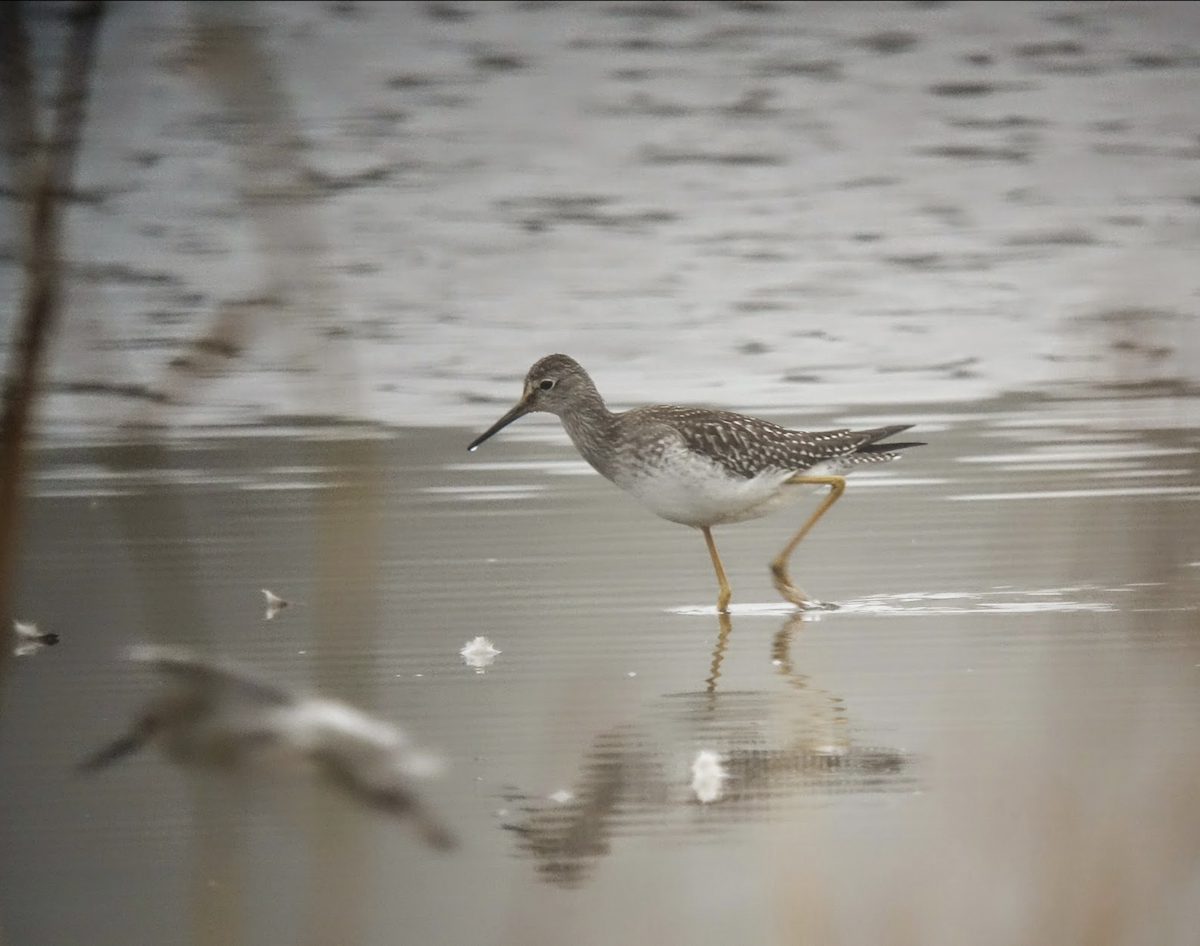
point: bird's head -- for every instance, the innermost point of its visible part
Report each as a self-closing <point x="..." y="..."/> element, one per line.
<point x="553" y="385"/>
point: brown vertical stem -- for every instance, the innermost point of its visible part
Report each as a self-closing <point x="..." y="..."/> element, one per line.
<point x="44" y="177"/>
<point x="283" y="208"/>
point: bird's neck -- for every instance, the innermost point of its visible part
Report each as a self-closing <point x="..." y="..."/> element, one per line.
<point x="589" y="424"/>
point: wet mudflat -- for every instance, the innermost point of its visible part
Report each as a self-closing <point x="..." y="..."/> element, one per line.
<point x="1016" y="642"/>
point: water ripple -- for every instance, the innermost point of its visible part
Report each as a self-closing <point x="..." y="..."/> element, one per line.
<point x="1042" y="600"/>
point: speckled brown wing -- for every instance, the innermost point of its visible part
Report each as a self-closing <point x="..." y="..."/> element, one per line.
<point x="748" y="446"/>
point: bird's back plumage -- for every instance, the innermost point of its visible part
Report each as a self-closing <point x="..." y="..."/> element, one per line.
<point x="749" y="446"/>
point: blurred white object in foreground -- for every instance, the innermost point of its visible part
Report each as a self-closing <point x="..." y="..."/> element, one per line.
<point x="218" y="716"/>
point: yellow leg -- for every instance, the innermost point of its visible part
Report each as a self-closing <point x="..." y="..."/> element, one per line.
<point x="779" y="572"/>
<point x="724" y="592"/>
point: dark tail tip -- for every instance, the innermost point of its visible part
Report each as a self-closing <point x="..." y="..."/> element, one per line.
<point x="890" y="447"/>
<point x="50" y="639"/>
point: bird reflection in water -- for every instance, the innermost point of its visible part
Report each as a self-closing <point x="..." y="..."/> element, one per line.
<point x="219" y="717"/>
<point x="698" y="762"/>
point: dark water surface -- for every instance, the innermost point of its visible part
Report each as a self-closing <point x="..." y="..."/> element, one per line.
<point x="1037" y="553"/>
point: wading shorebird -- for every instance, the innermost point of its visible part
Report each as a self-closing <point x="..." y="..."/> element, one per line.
<point x="699" y="467"/>
<point x="218" y="716"/>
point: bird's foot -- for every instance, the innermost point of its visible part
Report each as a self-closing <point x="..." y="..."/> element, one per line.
<point x="812" y="604"/>
<point x="784" y="585"/>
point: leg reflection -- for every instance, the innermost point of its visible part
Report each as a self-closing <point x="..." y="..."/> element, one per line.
<point x="719" y="651"/>
<point x="827" y="722"/>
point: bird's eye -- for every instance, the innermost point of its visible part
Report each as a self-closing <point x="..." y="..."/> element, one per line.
<point x="547" y="384"/>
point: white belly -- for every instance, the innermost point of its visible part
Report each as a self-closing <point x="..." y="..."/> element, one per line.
<point x="693" y="491"/>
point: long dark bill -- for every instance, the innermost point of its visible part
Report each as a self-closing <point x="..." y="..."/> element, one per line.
<point x="519" y="410"/>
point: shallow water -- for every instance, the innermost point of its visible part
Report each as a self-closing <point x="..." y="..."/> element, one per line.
<point x="1026" y="554"/>
<point x="386" y="212"/>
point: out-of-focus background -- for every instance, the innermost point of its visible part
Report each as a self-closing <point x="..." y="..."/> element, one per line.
<point x="310" y="250"/>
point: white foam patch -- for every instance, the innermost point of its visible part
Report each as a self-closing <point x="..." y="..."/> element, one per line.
<point x="1007" y="601"/>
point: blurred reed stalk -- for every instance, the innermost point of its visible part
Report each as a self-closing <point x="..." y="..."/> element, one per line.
<point x="42" y="178"/>
<point x="225" y="54"/>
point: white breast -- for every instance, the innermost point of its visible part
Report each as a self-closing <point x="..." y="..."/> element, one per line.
<point x="689" y="489"/>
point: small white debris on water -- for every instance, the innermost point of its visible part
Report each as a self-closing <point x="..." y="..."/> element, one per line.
<point x="708" y="776"/>
<point x="275" y="604"/>
<point x="31" y="639"/>
<point x="562" y="796"/>
<point x="479" y="653"/>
